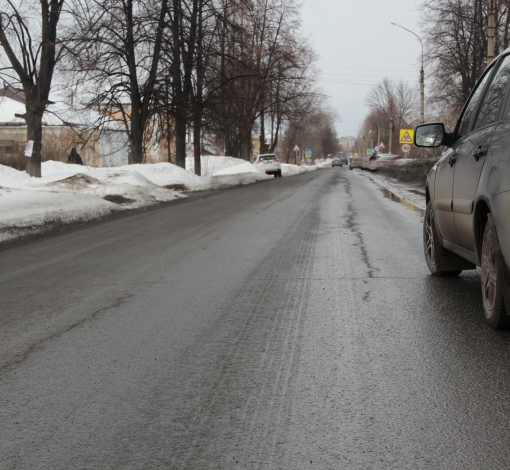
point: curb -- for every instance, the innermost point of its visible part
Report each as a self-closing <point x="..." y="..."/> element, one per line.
<point x="390" y="194"/>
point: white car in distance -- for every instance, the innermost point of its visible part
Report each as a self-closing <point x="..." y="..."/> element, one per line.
<point x="270" y="164"/>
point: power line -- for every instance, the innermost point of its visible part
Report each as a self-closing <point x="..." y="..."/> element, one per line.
<point x="356" y="68"/>
<point x="340" y="82"/>
<point x="364" y="75"/>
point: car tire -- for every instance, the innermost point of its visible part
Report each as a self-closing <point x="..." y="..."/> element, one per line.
<point x="350" y="168"/>
<point x="493" y="278"/>
<point x="279" y="173"/>
<point x="440" y="261"/>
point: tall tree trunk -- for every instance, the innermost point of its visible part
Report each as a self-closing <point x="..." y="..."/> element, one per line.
<point x="277" y="132"/>
<point x="180" y="142"/>
<point x="197" y="144"/>
<point x="137" y="128"/>
<point x="34" y="133"/>
<point x="262" y="138"/>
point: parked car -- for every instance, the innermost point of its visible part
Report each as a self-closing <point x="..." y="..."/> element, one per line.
<point x="270" y="164"/>
<point x="355" y="163"/>
<point x="365" y="165"/>
<point x="467" y="219"/>
<point x="382" y="160"/>
<point x="336" y="162"/>
<point x="345" y="161"/>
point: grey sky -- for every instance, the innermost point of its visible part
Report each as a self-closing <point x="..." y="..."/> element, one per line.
<point x="358" y="46"/>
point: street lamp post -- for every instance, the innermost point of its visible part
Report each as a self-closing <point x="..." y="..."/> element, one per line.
<point x="422" y="77"/>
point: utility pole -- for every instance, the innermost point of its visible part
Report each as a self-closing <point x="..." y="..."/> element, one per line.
<point x="422" y="73"/>
<point x="491" y="29"/>
<point x="379" y="135"/>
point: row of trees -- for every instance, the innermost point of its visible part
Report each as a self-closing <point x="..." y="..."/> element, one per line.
<point x="456" y="34"/>
<point x="227" y="67"/>
<point x="388" y="103"/>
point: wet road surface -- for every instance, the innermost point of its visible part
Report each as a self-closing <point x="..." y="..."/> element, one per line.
<point x="289" y="324"/>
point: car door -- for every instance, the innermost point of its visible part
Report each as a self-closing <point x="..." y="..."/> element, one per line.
<point x="443" y="186"/>
<point x="473" y="152"/>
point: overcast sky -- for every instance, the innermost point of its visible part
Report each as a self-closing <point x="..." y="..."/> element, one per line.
<point x="358" y="46"/>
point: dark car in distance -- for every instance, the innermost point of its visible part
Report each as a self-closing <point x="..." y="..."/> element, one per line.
<point x="336" y="162"/>
<point x="467" y="219"/>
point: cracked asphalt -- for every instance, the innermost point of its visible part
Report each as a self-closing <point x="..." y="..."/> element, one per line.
<point x="288" y="324"/>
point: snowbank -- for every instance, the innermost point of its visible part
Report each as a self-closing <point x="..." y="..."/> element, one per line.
<point x="70" y="193"/>
<point x="244" y="167"/>
<point x="210" y="165"/>
<point x="291" y="170"/>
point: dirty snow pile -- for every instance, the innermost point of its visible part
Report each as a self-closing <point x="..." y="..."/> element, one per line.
<point x="71" y="193"/>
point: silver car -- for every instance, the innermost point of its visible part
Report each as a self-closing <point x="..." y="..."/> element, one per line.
<point x="270" y="164"/>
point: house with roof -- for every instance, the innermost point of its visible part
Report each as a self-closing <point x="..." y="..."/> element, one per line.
<point x="99" y="140"/>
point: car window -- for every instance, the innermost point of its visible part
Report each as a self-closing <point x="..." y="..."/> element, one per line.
<point x="470" y="107"/>
<point x="491" y="104"/>
<point x="268" y="157"/>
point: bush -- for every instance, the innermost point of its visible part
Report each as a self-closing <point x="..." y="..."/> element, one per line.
<point x="414" y="171"/>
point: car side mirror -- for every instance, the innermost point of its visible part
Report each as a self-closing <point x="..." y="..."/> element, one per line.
<point x="431" y="135"/>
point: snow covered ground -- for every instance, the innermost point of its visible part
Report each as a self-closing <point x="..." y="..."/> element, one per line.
<point x="72" y="193"/>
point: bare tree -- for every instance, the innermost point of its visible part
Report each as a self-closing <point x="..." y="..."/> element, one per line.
<point x="456" y="47"/>
<point x="389" y="102"/>
<point x="259" y="68"/>
<point x="114" y="50"/>
<point x="32" y="50"/>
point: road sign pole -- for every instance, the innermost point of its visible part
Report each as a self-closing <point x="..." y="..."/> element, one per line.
<point x="390" y="130"/>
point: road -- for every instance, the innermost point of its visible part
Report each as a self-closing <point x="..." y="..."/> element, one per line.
<point x="288" y="324"/>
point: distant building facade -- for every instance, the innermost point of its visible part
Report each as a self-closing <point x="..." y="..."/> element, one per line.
<point x="348" y="144"/>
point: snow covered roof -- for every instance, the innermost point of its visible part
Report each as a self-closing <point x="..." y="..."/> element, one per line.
<point x="59" y="113"/>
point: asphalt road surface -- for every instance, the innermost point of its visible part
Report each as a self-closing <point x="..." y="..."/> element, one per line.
<point x="290" y="324"/>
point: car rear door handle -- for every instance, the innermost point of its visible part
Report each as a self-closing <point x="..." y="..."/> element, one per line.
<point x="479" y="152"/>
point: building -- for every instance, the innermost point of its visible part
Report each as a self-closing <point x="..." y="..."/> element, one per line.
<point x="348" y="144"/>
<point x="100" y="141"/>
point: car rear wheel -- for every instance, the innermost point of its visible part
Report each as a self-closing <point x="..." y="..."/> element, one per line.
<point x="435" y="255"/>
<point x="492" y="279"/>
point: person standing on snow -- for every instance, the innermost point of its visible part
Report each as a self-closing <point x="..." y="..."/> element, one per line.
<point x="74" y="157"/>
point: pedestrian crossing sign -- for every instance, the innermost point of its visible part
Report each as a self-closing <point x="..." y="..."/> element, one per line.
<point x="406" y="136"/>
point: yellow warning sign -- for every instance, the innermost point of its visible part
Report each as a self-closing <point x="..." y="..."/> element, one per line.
<point x="406" y="136"/>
